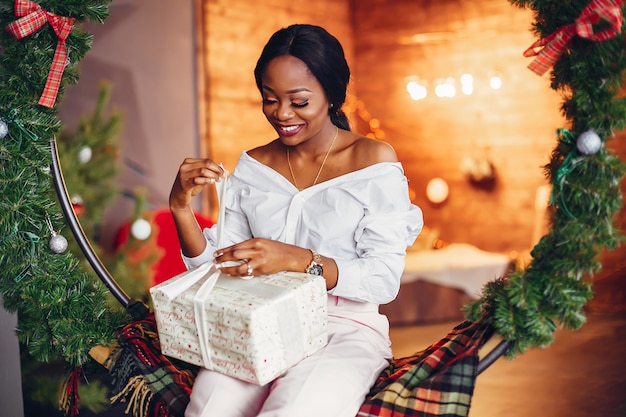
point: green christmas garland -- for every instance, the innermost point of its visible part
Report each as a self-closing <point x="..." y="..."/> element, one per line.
<point x="63" y="312"/>
<point x="527" y="306"/>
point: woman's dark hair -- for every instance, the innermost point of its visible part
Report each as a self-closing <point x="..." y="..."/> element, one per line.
<point x="323" y="55"/>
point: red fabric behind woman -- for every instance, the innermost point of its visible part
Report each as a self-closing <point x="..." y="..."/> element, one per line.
<point x="169" y="263"/>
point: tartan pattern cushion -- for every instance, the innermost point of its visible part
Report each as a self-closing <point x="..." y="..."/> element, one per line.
<point x="438" y="381"/>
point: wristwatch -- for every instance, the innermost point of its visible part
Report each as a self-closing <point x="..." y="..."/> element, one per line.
<point x="315" y="267"/>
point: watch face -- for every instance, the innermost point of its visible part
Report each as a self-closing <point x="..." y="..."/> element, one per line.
<point x="315" y="270"/>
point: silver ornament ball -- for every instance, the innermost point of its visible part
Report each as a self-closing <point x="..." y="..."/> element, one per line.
<point x="588" y="143"/>
<point x="57" y="243"/>
<point x="4" y="129"/>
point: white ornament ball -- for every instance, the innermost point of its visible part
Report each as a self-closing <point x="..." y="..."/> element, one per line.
<point x="84" y="154"/>
<point x="57" y="243"/>
<point x="77" y="199"/>
<point x="4" y="129"/>
<point x="141" y="229"/>
<point x="588" y="143"/>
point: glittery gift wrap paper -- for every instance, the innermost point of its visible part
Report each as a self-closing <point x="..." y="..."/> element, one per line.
<point x="251" y="329"/>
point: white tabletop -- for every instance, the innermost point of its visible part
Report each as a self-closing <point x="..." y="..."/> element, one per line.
<point x="458" y="265"/>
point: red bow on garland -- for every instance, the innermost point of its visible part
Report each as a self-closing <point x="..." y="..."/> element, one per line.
<point x="33" y="17"/>
<point x="554" y="45"/>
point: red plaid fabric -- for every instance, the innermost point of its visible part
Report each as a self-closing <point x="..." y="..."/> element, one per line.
<point x="548" y="50"/>
<point x="32" y="18"/>
<point x="438" y="382"/>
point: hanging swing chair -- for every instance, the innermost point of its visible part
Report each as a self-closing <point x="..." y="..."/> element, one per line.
<point x="514" y="313"/>
<point x="436" y="381"/>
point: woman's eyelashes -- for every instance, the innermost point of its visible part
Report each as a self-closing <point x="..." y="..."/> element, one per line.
<point x="298" y="104"/>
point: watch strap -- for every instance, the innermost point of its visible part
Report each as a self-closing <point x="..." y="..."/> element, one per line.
<point x="315" y="266"/>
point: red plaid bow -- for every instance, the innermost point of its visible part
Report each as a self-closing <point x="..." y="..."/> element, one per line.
<point x="33" y="17"/>
<point x="554" y="45"/>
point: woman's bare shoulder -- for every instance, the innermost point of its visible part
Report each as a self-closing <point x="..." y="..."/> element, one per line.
<point x="266" y="153"/>
<point x="370" y="151"/>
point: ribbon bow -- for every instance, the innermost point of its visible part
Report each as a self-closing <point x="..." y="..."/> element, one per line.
<point x="554" y="45"/>
<point x="32" y="18"/>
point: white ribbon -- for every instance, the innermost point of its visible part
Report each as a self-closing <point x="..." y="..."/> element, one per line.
<point x="174" y="287"/>
<point x="220" y="186"/>
<point x="205" y="289"/>
<point x="199" y="301"/>
<point x="179" y="284"/>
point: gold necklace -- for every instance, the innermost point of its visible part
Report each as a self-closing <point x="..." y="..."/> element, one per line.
<point x="293" y="177"/>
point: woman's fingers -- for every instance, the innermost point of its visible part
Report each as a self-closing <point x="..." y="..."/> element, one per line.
<point x="200" y="171"/>
<point x="243" y="259"/>
<point x="242" y="268"/>
<point x="193" y="175"/>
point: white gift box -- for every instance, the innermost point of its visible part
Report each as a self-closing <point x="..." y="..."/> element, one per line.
<point x="251" y="329"/>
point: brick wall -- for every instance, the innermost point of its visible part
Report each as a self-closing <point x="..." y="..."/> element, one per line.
<point x="235" y="32"/>
<point x="514" y="127"/>
<point x="387" y="43"/>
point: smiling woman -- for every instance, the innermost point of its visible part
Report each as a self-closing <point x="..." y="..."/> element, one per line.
<point x="349" y="221"/>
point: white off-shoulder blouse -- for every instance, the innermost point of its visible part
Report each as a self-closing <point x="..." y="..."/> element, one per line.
<point x="364" y="220"/>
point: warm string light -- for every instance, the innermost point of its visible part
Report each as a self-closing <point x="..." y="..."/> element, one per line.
<point x="354" y="106"/>
<point x="418" y="88"/>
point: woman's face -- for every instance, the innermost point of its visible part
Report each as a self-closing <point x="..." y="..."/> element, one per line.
<point x="294" y="102"/>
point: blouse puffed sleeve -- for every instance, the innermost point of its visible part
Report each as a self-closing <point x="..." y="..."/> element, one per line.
<point x="389" y="225"/>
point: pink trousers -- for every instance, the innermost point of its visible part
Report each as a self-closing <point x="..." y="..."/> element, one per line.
<point x="333" y="382"/>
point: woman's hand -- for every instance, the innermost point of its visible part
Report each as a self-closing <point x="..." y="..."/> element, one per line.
<point x="264" y="257"/>
<point x="193" y="175"/>
<point x="261" y="257"/>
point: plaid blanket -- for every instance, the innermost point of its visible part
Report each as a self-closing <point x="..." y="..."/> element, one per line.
<point x="152" y="384"/>
<point x="438" y="381"/>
